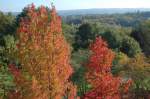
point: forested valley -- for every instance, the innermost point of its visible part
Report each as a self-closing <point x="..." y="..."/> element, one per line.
<point x="95" y="56"/>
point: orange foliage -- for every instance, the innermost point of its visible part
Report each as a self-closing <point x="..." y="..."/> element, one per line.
<point x="44" y="54"/>
<point x="72" y="92"/>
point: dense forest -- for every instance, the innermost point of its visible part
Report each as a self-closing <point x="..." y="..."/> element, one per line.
<point x="94" y="56"/>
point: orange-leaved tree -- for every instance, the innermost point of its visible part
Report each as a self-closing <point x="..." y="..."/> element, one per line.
<point x="104" y="85"/>
<point x="44" y="54"/>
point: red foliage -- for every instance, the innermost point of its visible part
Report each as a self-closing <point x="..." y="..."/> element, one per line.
<point x="104" y="85"/>
<point x="14" y="70"/>
<point x="127" y="85"/>
<point x="101" y="58"/>
<point x="18" y="78"/>
<point x="14" y="95"/>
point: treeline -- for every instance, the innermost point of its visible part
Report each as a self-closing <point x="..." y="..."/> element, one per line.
<point x="126" y="20"/>
<point x="134" y="25"/>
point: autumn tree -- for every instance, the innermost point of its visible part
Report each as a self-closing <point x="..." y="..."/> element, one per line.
<point x="104" y="85"/>
<point x="44" y="54"/>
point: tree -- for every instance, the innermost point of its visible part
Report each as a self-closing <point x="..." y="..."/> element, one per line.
<point x="78" y="59"/>
<point x="142" y="35"/>
<point x="120" y="60"/>
<point x="119" y="40"/>
<point x="84" y="36"/>
<point x="24" y="14"/>
<point x="43" y="54"/>
<point x="69" y="32"/>
<point x="7" y="24"/>
<point x="21" y="15"/>
<point x="114" y="38"/>
<point x="8" y="50"/>
<point x="104" y="85"/>
<point x="130" y="46"/>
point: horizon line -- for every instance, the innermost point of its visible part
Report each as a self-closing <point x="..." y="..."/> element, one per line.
<point x="103" y="8"/>
<point x="86" y="9"/>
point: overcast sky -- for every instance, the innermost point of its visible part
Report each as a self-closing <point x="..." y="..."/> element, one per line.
<point x="18" y="5"/>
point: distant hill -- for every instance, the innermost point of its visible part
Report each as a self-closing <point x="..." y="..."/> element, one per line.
<point x="98" y="11"/>
<point x="102" y="11"/>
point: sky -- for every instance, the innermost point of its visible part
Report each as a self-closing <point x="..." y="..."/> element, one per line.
<point x="18" y="5"/>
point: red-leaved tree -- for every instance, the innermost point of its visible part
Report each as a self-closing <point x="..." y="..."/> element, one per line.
<point x="104" y="85"/>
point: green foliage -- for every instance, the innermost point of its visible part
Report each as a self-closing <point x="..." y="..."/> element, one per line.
<point x="138" y="69"/>
<point x="69" y="32"/>
<point x="142" y="34"/>
<point x="80" y="81"/>
<point x="84" y="36"/>
<point x="125" y="20"/>
<point x="8" y="50"/>
<point x="78" y="59"/>
<point x="120" y="40"/>
<point x="119" y="61"/>
<point x="7" y="24"/>
<point x="114" y="39"/>
<point x="130" y="46"/>
<point x="6" y="81"/>
<point x="21" y="15"/>
<point x="7" y="56"/>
